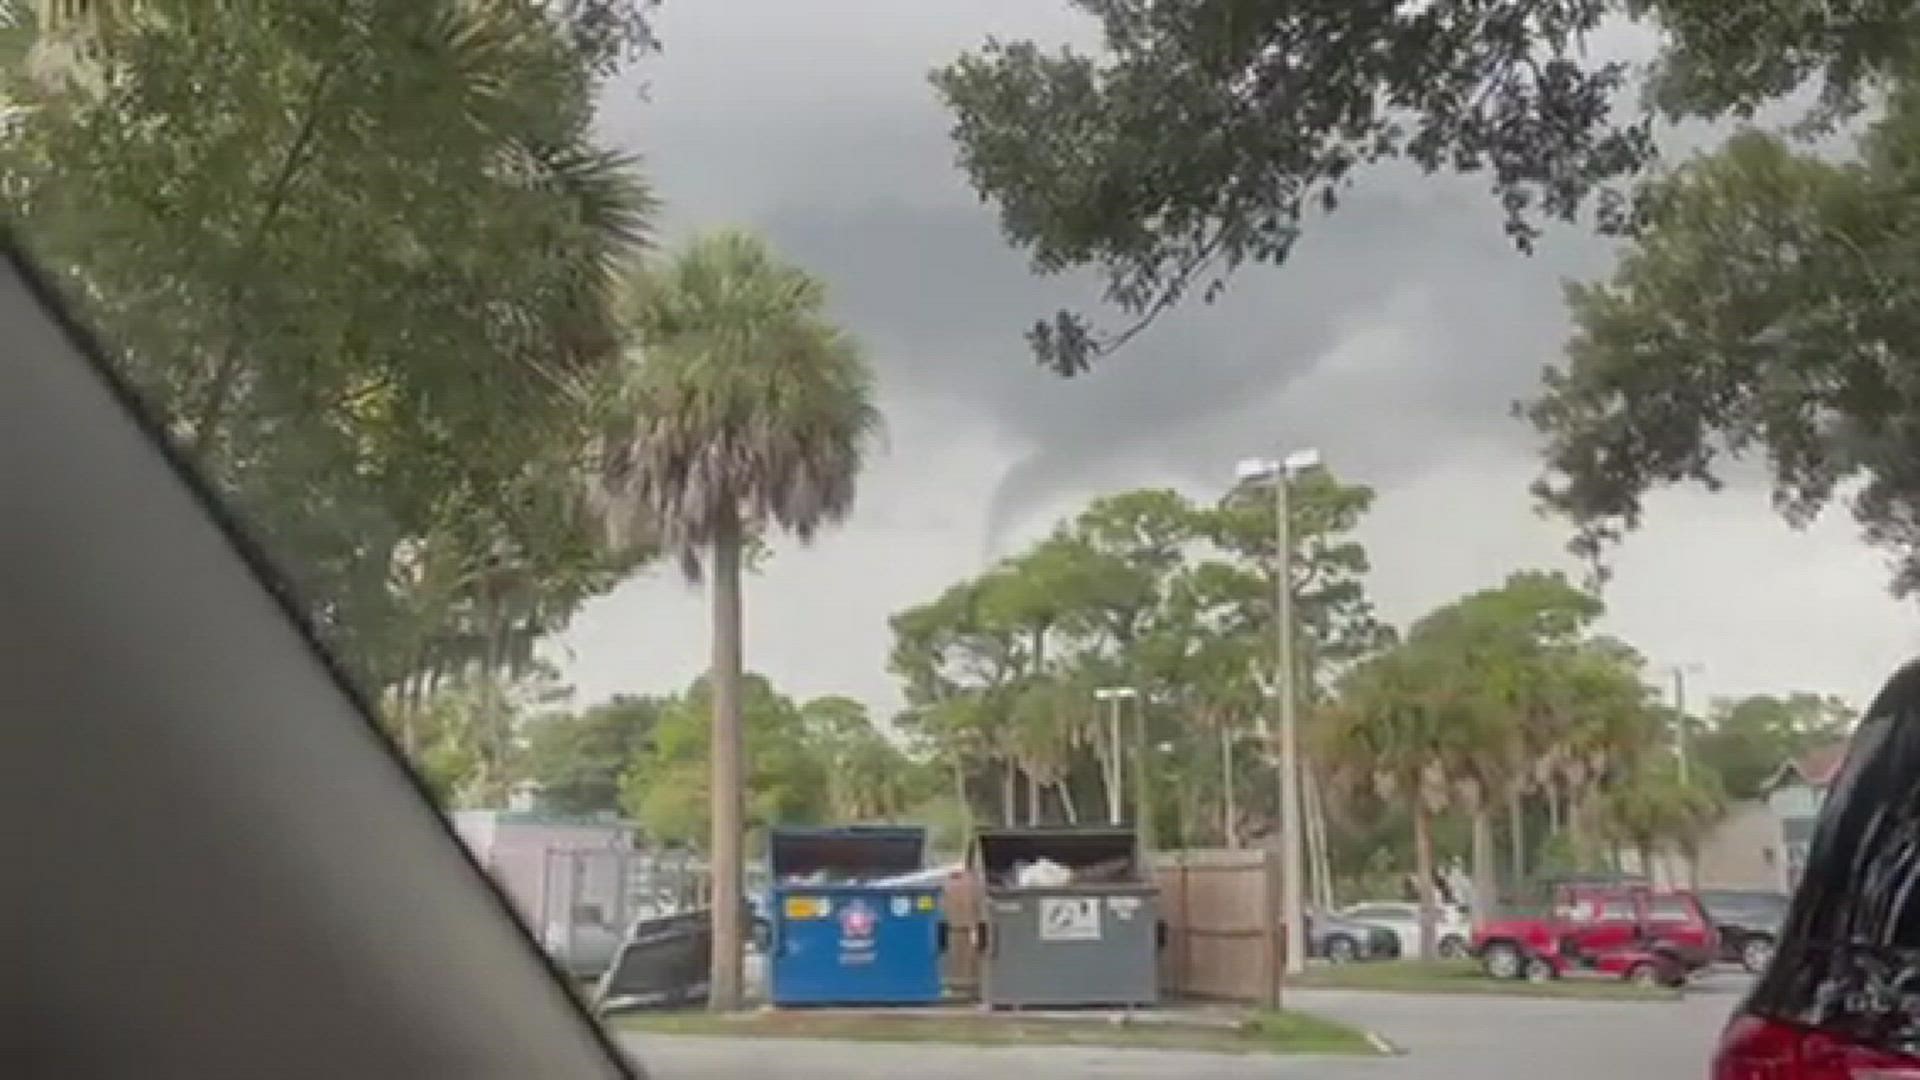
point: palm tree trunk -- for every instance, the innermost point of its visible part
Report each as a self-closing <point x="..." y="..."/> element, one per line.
<point x="1033" y="799"/>
<point x="1485" y="875"/>
<point x="1516" y="839"/>
<point x="1009" y="795"/>
<point x="727" y="842"/>
<point x="1229" y="813"/>
<point x="1066" y="801"/>
<point x="1553" y="808"/>
<point x="1577" y="828"/>
<point x="1423" y="872"/>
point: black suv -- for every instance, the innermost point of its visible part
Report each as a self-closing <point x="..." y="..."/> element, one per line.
<point x="1748" y="921"/>
<point x="1838" y="997"/>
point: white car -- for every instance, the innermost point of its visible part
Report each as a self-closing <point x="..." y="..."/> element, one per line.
<point x="1452" y="929"/>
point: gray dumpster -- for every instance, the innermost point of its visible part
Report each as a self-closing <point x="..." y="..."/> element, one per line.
<point x="1091" y="939"/>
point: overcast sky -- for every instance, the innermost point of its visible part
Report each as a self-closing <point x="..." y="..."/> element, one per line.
<point x="1394" y="341"/>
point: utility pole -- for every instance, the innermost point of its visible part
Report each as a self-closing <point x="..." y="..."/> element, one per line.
<point x="1292" y="864"/>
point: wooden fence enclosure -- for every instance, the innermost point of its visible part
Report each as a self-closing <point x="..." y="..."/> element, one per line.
<point x="1222" y="912"/>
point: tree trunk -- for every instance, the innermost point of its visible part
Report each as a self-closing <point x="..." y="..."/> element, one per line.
<point x="1229" y="812"/>
<point x="1644" y="849"/>
<point x="1577" y="829"/>
<point x="960" y="793"/>
<point x="1033" y="800"/>
<point x="1066" y="802"/>
<point x="1553" y="808"/>
<point x="1423" y="872"/>
<point x="728" y="842"/>
<point x="1009" y="795"/>
<point x="1485" y="875"/>
<point x="1516" y="840"/>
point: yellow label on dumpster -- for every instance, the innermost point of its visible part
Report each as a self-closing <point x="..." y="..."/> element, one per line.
<point x="926" y="903"/>
<point x="806" y="907"/>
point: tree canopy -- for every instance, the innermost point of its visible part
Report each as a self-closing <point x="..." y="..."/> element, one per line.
<point x="335" y="247"/>
<point x="1204" y="135"/>
<point x="1767" y="310"/>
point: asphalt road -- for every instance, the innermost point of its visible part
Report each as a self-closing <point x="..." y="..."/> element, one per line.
<point x="1445" y="1038"/>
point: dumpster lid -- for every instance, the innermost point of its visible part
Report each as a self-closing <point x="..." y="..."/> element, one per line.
<point x="1113" y="852"/>
<point x="851" y="852"/>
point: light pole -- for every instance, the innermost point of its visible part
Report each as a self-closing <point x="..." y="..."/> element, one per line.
<point x="1113" y="696"/>
<point x="1680" y="673"/>
<point x="1281" y="473"/>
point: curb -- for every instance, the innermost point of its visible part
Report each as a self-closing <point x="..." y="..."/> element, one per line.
<point x="1381" y="1043"/>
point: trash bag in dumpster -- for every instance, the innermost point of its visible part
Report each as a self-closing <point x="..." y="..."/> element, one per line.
<point x="663" y="964"/>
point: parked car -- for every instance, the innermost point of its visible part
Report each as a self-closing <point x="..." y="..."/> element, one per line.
<point x="1340" y="940"/>
<point x="1621" y="929"/>
<point x="1453" y="930"/>
<point x="1748" y="922"/>
<point x="1836" y="999"/>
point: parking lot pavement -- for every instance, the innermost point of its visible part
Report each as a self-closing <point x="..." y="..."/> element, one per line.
<point x="1460" y="1037"/>
<point x="1447" y="1037"/>
<point x="686" y="1058"/>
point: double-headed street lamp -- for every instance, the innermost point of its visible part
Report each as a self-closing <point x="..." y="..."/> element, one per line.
<point x="1113" y="696"/>
<point x="1280" y="472"/>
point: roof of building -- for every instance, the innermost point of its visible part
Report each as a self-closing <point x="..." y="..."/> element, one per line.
<point x="1815" y="767"/>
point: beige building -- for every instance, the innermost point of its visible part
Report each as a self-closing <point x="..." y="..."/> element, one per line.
<point x="1762" y="843"/>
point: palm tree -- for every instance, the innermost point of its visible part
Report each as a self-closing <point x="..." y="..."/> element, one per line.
<point x="1652" y="807"/>
<point x="1393" y="728"/>
<point x="751" y="412"/>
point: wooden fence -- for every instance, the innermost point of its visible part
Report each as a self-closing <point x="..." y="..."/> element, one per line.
<point x="1222" y="912"/>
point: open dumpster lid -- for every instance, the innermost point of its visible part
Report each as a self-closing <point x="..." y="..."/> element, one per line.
<point x="851" y="852"/>
<point x="1076" y="847"/>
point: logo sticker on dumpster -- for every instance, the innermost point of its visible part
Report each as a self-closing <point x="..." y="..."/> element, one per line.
<point x="856" y="934"/>
<point x="856" y="926"/>
<point x="1069" y="918"/>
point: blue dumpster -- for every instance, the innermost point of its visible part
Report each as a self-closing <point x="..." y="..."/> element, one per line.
<point x="841" y="934"/>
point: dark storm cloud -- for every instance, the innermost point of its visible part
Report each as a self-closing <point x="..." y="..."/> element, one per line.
<point x="1465" y="320"/>
<point x="839" y="151"/>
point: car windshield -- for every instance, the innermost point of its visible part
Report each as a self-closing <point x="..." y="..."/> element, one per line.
<point x="748" y="455"/>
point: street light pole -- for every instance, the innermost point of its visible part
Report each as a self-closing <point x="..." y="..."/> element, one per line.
<point x="1113" y="696"/>
<point x="1292" y="862"/>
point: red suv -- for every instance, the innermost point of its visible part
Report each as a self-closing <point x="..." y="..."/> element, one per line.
<point x="1839" y="998"/>
<point x="1620" y="929"/>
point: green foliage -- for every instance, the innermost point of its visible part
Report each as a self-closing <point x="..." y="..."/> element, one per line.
<point x="1652" y="805"/>
<point x="354" y="255"/>
<point x="1207" y="133"/>
<point x="1146" y="590"/>
<point x="1766" y="310"/>
<point x="747" y="410"/>
<point x="1747" y="741"/>
<point x="666" y="787"/>
<point x="1204" y="135"/>
<point x="465" y="737"/>
<point x="869" y="778"/>
<point x="575" y="759"/>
